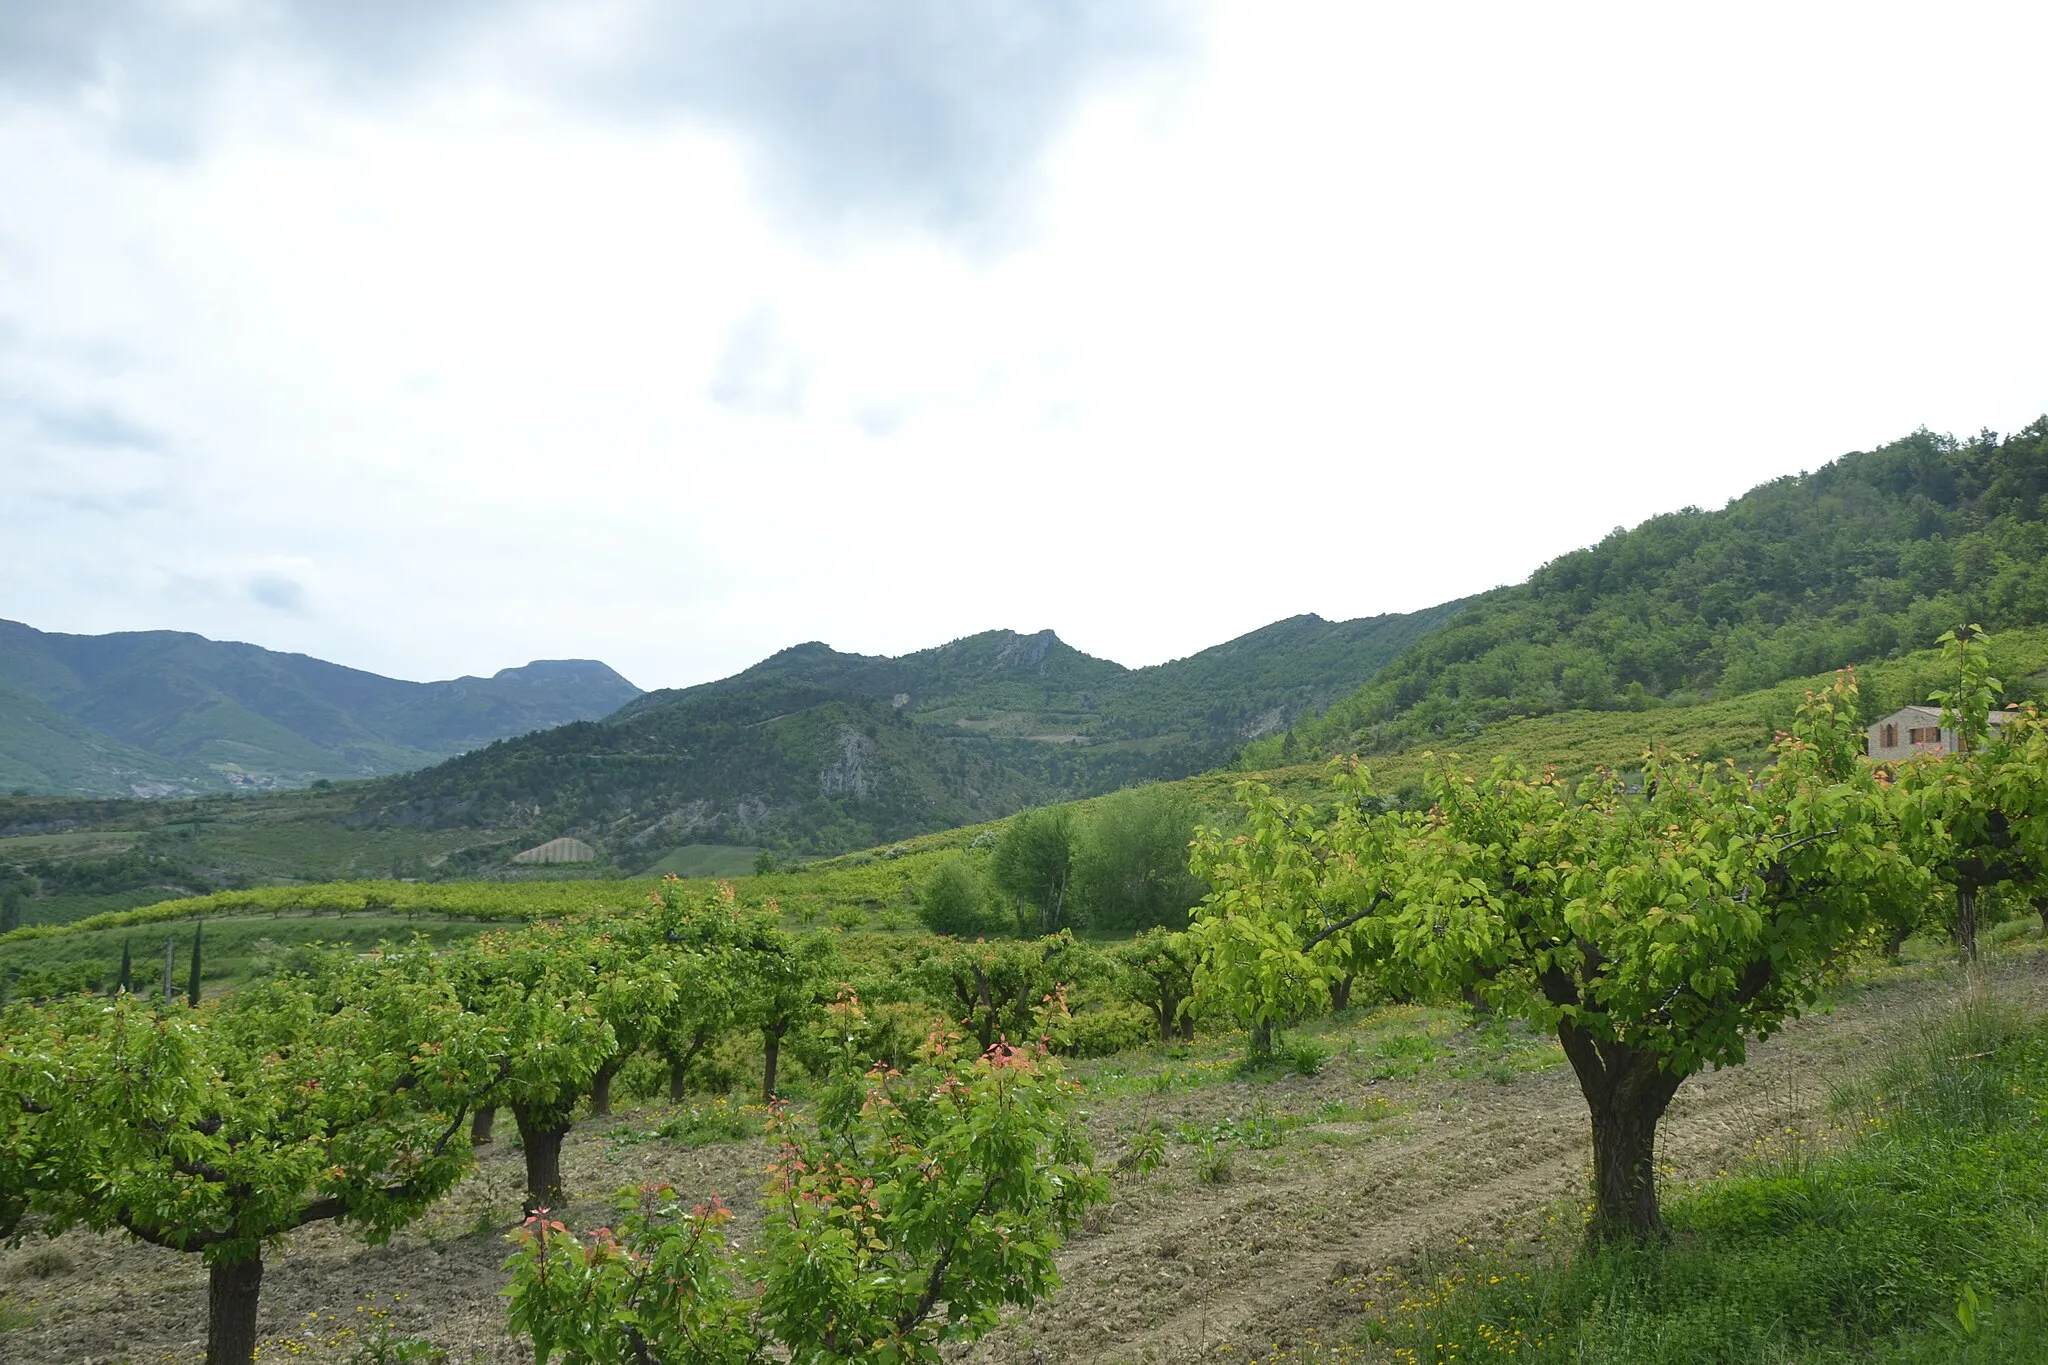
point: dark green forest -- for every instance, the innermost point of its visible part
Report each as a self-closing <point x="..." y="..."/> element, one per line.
<point x="1868" y="557"/>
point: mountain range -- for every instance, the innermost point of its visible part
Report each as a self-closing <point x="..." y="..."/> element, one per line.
<point x="813" y="750"/>
<point x="162" y="713"/>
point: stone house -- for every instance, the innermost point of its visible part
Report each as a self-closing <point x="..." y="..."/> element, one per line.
<point x="1914" y="730"/>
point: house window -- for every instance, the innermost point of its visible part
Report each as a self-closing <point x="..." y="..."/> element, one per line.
<point x="1888" y="736"/>
<point x="1928" y="735"/>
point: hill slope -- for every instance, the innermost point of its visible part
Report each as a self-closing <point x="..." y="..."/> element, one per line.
<point x="821" y="751"/>
<point x="163" y="712"/>
<point x="1870" y="556"/>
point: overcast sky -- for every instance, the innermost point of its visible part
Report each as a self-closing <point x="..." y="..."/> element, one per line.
<point x="436" y="338"/>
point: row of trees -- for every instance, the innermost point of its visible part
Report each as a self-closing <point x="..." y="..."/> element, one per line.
<point x="1123" y="866"/>
<point x="1656" y="926"/>
<point x="355" y="1091"/>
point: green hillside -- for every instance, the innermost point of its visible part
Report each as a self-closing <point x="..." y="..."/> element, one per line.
<point x="816" y="751"/>
<point x="1862" y="559"/>
<point x="156" y="713"/>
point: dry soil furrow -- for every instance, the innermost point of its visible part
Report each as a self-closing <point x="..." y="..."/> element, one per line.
<point x="1182" y="1272"/>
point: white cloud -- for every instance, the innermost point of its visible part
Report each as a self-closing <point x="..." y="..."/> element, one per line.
<point x="1353" y="309"/>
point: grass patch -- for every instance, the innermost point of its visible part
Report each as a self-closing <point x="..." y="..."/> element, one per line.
<point x="1923" y="1237"/>
<point x="697" y="1125"/>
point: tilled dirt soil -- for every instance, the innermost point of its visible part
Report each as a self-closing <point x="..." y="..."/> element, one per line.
<point x="1372" y="1168"/>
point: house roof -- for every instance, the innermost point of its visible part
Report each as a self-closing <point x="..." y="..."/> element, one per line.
<point x="1933" y="713"/>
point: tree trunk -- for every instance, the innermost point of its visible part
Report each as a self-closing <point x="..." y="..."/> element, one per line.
<point x="543" y="1161"/>
<point x="1187" y="1026"/>
<point x="1340" y="992"/>
<point x="771" y="1041"/>
<point x="231" y="1293"/>
<point x="480" y="1125"/>
<point x="1966" y="921"/>
<point x="1165" y="1013"/>
<point x="601" y="1091"/>
<point x="1626" y="1093"/>
<point x="678" y="1081"/>
<point x="2041" y="909"/>
<point x="1475" y="1002"/>
<point x="1896" y="940"/>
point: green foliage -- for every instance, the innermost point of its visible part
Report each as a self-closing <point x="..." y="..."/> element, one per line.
<point x="993" y="992"/>
<point x="1853" y="562"/>
<point x="952" y="1184"/>
<point x="917" y="1206"/>
<point x="955" y="903"/>
<point x="1106" y="1031"/>
<point x="1157" y="970"/>
<point x="220" y="1130"/>
<point x="1034" y="866"/>
<point x="1130" y="862"/>
<point x="1977" y="820"/>
<point x="656" y="1285"/>
<point x="1655" y="931"/>
<point x="1292" y="909"/>
<point x="531" y="1009"/>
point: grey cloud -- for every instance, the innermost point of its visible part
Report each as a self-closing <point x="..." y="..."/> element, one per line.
<point x="929" y="111"/>
<point x="278" y="593"/>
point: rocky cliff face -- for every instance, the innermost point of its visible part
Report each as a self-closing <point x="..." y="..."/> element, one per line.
<point x="855" y="771"/>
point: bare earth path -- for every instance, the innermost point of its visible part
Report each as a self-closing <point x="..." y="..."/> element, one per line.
<point x="1372" y="1170"/>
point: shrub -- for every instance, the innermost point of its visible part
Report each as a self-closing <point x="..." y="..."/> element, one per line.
<point x="951" y="1184"/>
<point x="1114" y="1028"/>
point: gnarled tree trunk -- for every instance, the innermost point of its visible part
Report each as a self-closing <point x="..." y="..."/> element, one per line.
<point x="1626" y="1092"/>
<point x="678" y="1081"/>
<point x="1966" y="919"/>
<point x="1340" y="992"/>
<point x="231" y="1296"/>
<point x="543" y="1160"/>
<point x="601" y="1089"/>
<point x="480" y="1125"/>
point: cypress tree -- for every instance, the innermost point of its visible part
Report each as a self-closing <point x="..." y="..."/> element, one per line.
<point x="125" y="982"/>
<point x="193" y="992"/>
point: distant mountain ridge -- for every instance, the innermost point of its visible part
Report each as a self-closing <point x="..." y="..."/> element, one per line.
<point x="152" y="713"/>
<point x="815" y="750"/>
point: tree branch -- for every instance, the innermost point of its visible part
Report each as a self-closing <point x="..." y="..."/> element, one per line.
<point x="938" y="1275"/>
<point x="1379" y="899"/>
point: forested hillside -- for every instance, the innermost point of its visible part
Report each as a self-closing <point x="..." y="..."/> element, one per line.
<point x="152" y="713"/>
<point x="813" y="750"/>
<point x="1872" y="555"/>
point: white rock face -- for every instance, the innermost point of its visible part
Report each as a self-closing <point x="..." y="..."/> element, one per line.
<point x="854" y="772"/>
